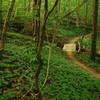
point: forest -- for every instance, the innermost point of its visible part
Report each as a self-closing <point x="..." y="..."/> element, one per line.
<point x="49" y="50"/>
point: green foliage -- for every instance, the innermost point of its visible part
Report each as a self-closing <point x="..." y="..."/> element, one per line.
<point x="65" y="82"/>
<point x="85" y="57"/>
<point x="66" y="31"/>
<point x="22" y="6"/>
<point x="16" y="68"/>
<point x="18" y="65"/>
<point x="68" y="82"/>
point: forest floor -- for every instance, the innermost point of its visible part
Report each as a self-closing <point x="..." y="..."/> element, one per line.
<point x="66" y="81"/>
<point x="80" y="64"/>
<point x="60" y="41"/>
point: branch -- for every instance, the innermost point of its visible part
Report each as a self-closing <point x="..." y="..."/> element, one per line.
<point x="49" y="13"/>
<point x="75" y="9"/>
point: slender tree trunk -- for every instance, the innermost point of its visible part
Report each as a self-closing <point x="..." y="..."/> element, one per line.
<point x="36" y="32"/>
<point x="45" y="15"/>
<point x="15" y="13"/>
<point x="40" y="38"/>
<point x="77" y="15"/>
<point x="35" y="16"/>
<point x="86" y="15"/>
<point x="38" y="49"/>
<point x="3" y="35"/>
<point x="25" y="5"/>
<point x="59" y="8"/>
<point x="94" y="35"/>
<point x="46" y="8"/>
<point x="0" y="16"/>
<point x="85" y="20"/>
<point x="29" y="6"/>
<point x="0" y="25"/>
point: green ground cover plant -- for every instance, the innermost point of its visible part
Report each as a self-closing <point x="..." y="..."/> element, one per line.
<point x="85" y="56"/>
<point x="65" y="82"/>
<point x="32" y="35"/>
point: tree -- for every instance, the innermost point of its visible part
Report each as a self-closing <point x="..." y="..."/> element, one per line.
<point x="0" y="23"/>
<point x="86" y="15"/>
<point x="40" y="40"/>
<point x="4" y="31"/>
<point x="77" y="14"/>
<point x="73" y="10"/>
<point x="59" y="4"/>
<point x="0" y="15"/>
<point x="29" y="6"/>
<point x="34" y="20"/>
<point x="85" y="20"/>
<point x="94" y="34"/>
<point x="46" y="8"/>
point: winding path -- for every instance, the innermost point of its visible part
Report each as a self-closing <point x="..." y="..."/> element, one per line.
<point x="83" y="66"/>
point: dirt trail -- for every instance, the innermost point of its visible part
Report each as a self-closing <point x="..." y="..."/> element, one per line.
<point x="83" y="66"/>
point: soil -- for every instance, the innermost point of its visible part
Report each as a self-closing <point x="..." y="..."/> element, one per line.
<point x="80" y="64"/>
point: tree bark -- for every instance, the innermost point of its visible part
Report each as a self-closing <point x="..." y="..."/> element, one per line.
<point x="94" y="35"/>
<point x="38" y="49"/>
<point x="46" y="8"/>
<point x="78" y="14"/>
<point x="3" y="35"/>
<point x="40" y="38"/>
<point x="34" y="20"/>
<point x="0" y="16"/>
<point x="29" y="6"/>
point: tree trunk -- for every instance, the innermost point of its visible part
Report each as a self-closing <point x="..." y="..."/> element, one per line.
<point x="3" y="35"/>
<point x="38" y="48"/>
<point x="29" y="6"/>
<point x="59" y="4"/>
<point x="78" y="14"/>
<point x="94" y="35"/>
<point x="34" y="20"/>
<point x="25" y="5"/>
<point x="85" y="20"/>
<point x="46" y="8"/>
<point x="0" y="16"/>
<point x="40" y="38"/>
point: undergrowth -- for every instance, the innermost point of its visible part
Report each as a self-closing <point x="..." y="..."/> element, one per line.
<point x="85" y="56"/>
<point x="65" y="81"/>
